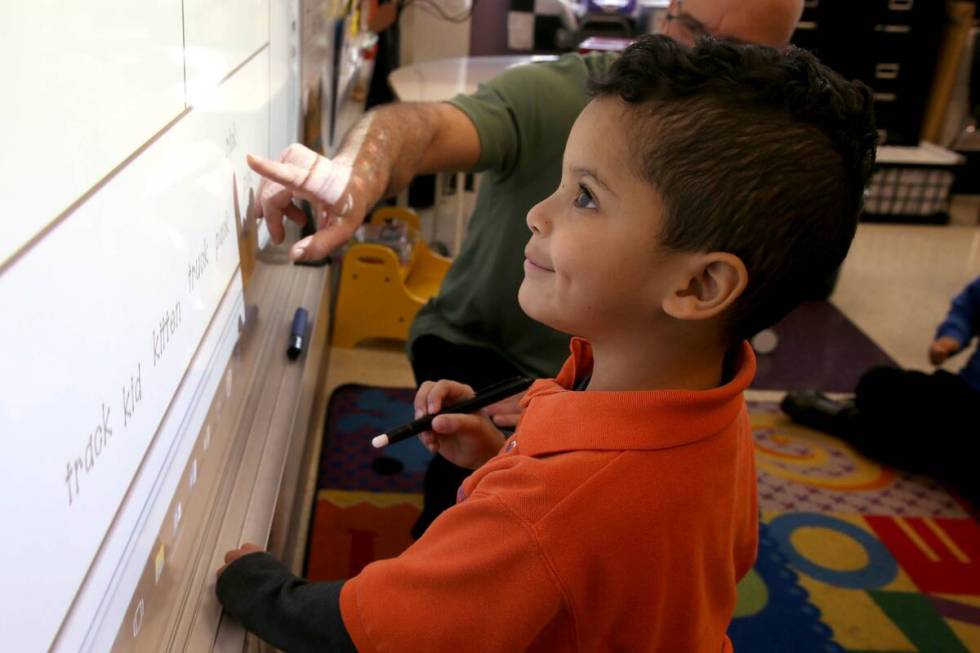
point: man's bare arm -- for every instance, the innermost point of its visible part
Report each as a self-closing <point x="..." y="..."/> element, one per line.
<point x="378" y="158"/>
<point x="394" y="143"/>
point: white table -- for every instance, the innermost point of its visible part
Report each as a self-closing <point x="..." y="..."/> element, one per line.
<point x="433" y="81"/>
<point x="442" y="79"/>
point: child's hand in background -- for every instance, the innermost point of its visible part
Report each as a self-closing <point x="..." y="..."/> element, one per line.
<point x="235" y="554"/>
<point x="466" y="440"/>
<point x="942" y="349"/>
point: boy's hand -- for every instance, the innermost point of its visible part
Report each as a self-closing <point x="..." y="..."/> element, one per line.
<point x="337" y="198"/>
<point x="942" y="349"/>
<point x="466" y="440"/>
<point x="506" y="412"/>
<point x="235" y="554"/>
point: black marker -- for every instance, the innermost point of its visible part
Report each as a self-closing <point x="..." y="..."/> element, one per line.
<point x="297" y="334"/>
<point x="487" y="396"/>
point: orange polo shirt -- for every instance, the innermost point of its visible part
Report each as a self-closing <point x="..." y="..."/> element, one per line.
<point x="610" y="521"/>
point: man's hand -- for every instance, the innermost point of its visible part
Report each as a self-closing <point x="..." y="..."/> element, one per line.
<point x="942" y="349"/>
<point x="378" y="157"/>
<point x="466" y="440"/>
<point x="235" y="554"/>
<point x="506" y="412"/>
<point x="338" y="199"/>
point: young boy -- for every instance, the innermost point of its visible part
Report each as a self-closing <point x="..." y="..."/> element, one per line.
<point x="703" y="193"/>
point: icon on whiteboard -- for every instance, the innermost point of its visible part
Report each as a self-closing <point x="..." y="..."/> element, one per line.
<point x="138" y="617"/>
<point x="178" y="513"/>
<point x="207" y="438"/>
<point x="192" y="481"/>
<point x="158" y="563"/>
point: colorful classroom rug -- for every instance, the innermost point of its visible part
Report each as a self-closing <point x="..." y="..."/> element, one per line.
<point x="853" y="556"/>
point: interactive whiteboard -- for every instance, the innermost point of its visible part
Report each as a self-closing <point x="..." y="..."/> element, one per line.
<point x="125" y="127"/>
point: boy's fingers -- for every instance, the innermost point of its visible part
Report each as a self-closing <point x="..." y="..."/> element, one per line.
<point x="447" y="392"/>
<point x="435" y="400"/>
<point x="506" y="419"/>
<point x="444" y="424"/>
<point x="458" y="424"/>
<point x="242" y="550"/>
<point x="451" y="392"/>
<point x="433" y="395"/>
<point x="429" y="441"/>
<point x="421" y="398"/>
<point x="233" y="555"/>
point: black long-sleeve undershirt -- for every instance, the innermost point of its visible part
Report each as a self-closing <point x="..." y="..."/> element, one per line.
<point x="290" y="613"/>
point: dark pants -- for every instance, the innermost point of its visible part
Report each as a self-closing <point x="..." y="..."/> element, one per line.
<point x="432" y="359"/>
<point x="923" y="423"/>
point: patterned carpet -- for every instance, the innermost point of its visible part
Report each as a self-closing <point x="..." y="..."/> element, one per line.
<point x="852" y="557"/>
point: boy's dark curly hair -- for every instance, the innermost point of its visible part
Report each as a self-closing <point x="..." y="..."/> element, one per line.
<point x="758" y="152"/>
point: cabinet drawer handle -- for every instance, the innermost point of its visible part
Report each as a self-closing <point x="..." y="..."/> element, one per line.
<point x="893" y="29"/>
<point x="887" y="70"/>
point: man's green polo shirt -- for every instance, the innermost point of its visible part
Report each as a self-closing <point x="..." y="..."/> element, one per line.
<point x="523" y="117"/>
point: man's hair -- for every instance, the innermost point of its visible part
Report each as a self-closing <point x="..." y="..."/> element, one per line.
<point x="758" y="152"/>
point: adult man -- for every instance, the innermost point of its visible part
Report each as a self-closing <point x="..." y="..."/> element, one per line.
<point x="513" y="129"/>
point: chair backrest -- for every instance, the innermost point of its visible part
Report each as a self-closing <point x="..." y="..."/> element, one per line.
<point x="407" y="216"/>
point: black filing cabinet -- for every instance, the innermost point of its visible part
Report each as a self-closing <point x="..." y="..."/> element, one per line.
<point x="890" y="45"/>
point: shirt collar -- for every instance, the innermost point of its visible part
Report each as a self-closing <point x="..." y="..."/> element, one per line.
<point x="560" y="419"/>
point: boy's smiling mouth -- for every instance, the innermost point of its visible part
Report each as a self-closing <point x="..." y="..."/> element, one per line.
<point x="534" y="264"/>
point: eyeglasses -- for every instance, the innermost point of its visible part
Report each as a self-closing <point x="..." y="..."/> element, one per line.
<point x="688" y="28"/>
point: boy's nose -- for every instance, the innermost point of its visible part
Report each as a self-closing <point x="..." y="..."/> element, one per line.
<point x="537" y="220"/>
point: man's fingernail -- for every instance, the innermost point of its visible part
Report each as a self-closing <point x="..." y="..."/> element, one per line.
<point x="300" y="248"/>
<point x="418" y="413"/>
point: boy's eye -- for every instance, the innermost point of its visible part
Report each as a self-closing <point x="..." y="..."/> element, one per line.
<point x="584" y="199"/>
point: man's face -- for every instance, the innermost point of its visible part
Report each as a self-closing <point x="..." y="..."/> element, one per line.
<point x="764" y="22"/>
<point x="594" y="266"/>
<point x="684" y="24"/>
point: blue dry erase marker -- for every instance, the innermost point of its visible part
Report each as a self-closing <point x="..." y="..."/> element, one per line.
<point x="297" y="334"/>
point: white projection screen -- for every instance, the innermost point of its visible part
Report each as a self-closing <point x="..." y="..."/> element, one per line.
<point x="125" y="127"/>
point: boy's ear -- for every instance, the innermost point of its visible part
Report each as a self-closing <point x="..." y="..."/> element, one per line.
<point x="710" y="285"/>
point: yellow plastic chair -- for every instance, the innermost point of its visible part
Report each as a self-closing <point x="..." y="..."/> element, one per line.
<point x="378" y="296"/>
